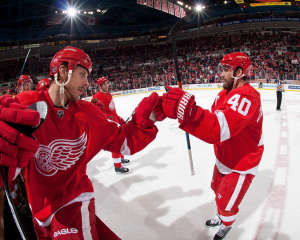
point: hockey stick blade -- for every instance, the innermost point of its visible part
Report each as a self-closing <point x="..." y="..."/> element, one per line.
<point x="42" y="108"/>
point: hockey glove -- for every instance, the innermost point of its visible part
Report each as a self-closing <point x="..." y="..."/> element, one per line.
<point x="148" y="111"/>
<point x="16" y="149"/>
<point x="177" y="103"/>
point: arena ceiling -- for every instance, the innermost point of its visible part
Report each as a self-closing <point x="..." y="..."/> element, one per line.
<point x="31" y="19"/>
<point x="121" y="12"/>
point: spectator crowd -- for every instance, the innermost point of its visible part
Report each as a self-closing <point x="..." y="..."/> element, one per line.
<point x="275" y="56"/>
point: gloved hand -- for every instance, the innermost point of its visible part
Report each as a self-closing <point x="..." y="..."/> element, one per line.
<point x="16" y="149"/>
<point x="158" y="111"/>
<point x="177" y="103"/>
<point x="148" y="111"/>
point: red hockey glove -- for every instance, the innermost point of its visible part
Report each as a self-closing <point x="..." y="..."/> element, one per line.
<point x="177" y="103"/>
<point x="16" y="149"/>
<point x="148" y="111"/>
<point x="158" y="111"/>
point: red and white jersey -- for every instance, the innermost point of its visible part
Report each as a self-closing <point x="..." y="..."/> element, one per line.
<point x="69" y="139"/>
<point x="234" y="126"/>
<point x="109" y="105"/>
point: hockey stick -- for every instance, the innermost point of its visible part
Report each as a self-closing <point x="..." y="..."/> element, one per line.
<point x="172" y="36"/>
<point x="22" y="69"/>
<point x="42" y="108"/>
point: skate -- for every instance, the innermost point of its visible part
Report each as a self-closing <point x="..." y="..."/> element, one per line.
<point x="125" y="161"/>
<point x="214" y="222"/>
<point x="222" y="232"/>
<point x="121" y="170"/>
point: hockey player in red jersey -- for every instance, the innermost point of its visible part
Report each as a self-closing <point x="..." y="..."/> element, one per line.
<point x="24" y="83"/>
<point x="60" y="193"/>
<point x="234" y="126"/>
<point x="43" y="84"/>
<point x="104" y="100"/>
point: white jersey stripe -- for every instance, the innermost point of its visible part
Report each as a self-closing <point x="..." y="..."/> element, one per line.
<point x="82" y="197"/>
<point x="228" y="218"/>
<point x="85" y="215"/>
<point x="261" y="141"/>
<point x="236" y="192"/>
<point x="117" y="160"/>
<point x="224" y="129"/>
<point x="226" y="170"/>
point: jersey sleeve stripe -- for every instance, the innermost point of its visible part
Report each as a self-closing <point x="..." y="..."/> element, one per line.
<point x="224" y="129"/>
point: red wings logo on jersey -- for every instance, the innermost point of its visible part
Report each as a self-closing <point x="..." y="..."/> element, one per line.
<point x="60" y="154"/>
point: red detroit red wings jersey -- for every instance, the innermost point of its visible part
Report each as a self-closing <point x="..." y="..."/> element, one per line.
<point x="234" y="126"/>
<point x="69" y="139"/>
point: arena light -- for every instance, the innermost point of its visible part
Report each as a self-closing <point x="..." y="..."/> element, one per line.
<point x="199" y="8"/>
<point x="71" y="12"/>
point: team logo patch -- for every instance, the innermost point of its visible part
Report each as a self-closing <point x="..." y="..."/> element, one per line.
<point x="60" y="154"/>
<point x="60" y="113"/>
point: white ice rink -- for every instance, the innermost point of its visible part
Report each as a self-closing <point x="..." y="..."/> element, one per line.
<point x="160" y="200"/>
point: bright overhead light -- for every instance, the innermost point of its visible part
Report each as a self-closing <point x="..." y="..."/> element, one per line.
<point x="199" y="8"/>
<point x="71" y="12"/>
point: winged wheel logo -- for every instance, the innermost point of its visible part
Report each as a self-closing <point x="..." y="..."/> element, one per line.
<point x="60" y="154"/>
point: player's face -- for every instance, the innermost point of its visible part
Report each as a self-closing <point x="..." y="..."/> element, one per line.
<point x="227" y="77"/>
<point x="26" y="86"/>
<point x="105" y="86"/>
<point x="78" y="83"/>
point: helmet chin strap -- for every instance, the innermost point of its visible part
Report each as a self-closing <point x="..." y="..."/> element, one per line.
<point x="236" y="80"/>
<point x="62" y="87"/>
